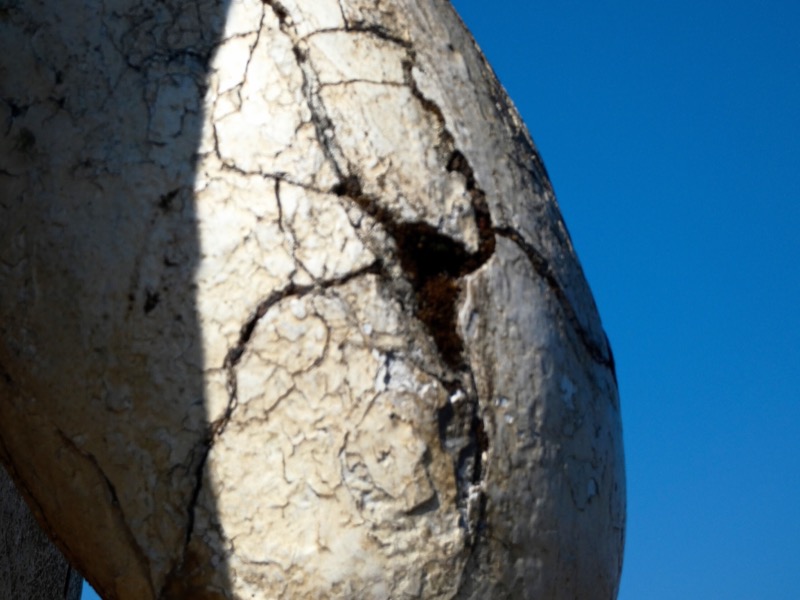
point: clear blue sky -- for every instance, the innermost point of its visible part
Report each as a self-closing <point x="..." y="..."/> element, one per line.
<point x="671" y="131"/>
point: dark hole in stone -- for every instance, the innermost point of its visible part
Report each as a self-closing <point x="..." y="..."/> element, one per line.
<point x="150" y="301"/>
<point x="165" y="200"/>
<point x="432" y="261"/>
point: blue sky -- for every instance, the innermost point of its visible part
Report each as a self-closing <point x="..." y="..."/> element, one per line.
<point x="671" y="132"/>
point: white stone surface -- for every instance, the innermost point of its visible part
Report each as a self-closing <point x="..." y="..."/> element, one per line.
<point x="291" y="305"/>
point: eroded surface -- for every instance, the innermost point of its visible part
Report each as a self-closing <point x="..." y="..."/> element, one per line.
<point x="346" y="350"/>
<point x="337" y="379"/>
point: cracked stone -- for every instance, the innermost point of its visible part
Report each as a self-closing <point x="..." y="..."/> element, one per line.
<point x="294" y="308"/>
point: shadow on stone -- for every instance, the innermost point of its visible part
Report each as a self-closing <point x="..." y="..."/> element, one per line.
<point x="103" y="404"/>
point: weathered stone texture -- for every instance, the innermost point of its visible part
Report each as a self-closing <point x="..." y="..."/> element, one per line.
<point x="295" y="310"/>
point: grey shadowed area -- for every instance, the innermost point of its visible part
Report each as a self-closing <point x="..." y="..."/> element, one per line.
<point x="101" y="360"/>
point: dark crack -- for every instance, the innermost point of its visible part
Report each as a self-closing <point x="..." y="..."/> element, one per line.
<point x="378" y="31"/>
<point x="234" y="355"/>
<point x="166" y="201"/>
<point x="151" y="300"/>
<point x="292" y="290"/>
<point x="461" y="426"/>
<point x="185" y="564"/>
<point x="601" y="355"/>
<point x="280" y="11"/>
<point x="434" y="264"/>
<point x="116" y="507"/>
<point x="464" y="437"/>
<point x="323" y="125"/>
